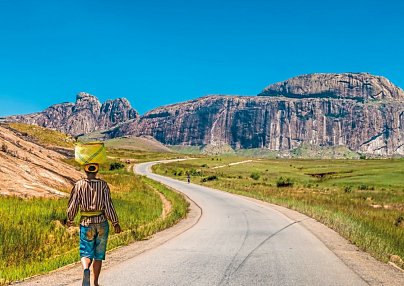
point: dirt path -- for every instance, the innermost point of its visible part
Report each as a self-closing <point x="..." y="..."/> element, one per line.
<point x="232" y="164"/>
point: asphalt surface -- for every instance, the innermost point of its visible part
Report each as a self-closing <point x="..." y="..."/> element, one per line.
<point x="235" y="242"/>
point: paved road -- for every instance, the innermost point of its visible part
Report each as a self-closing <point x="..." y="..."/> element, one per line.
<point x="236" y="242"/>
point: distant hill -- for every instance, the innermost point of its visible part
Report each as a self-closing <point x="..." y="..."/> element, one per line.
<point x="28" y="169"/>
<point x="144" y="143"/>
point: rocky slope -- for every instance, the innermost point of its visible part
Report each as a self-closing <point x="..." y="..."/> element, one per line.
<point x="87" y="114"/>
<point x="359" y="111"/>
<point x="28" y="169"/>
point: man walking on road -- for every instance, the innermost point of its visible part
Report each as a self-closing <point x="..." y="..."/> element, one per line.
<point x="93" y="197"/>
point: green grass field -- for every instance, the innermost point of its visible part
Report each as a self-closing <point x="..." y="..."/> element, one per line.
<point x="363" y="200"/>
<point x="33" y="238"/>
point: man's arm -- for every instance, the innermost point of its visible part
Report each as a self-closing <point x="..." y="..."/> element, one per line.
<point x="73" y="205"/>
<point x="110" y="210"/>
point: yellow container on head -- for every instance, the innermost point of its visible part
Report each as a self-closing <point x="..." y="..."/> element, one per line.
<point x="90" y="152"/>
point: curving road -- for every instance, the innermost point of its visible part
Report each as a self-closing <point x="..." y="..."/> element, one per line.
<point x="235" y="242"/>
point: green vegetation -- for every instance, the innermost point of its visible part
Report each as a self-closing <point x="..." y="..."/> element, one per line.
<point x="258" y="152"/>
<point x="34" y="239"/>
<point x="284" y="182"/>
<point x="307" y="151"/>
<point x="329" y="152"/>
<point x="42" y="135"/>
<point x="255" y="175"/>
<point x="363" y="200"/>
<point x="116" y="166"/>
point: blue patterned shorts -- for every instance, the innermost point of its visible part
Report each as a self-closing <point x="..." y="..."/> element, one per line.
<point x="93" y="240"/>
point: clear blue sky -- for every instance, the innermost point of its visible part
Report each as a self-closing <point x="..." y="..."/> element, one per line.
<point x="161" y="52"/>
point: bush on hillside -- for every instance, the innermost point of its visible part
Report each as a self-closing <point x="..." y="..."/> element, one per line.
<point x="210" y="178"/>
<point x="178" y="172"/>
<point x="116" y="166"/>
<point x="255" y="176"/>
<point x="284" y="182"/>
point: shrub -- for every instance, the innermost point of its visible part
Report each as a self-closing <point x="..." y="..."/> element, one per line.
<point x="347" y="189"/>
<point x="365" y="187"/>
<point x="178" y="172"/>
<point x="284" y="182"/>
<point x="194" y="172"/>
<point x="399" y="221"/>
<point x="210" y="178"/>
<point x="255" y="176"/>
<point x="116" y="166"/>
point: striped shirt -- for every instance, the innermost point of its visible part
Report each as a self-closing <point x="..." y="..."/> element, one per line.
<point x="91" y="195"/>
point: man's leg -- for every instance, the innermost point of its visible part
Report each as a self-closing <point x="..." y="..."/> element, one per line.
<point x="100" y="249"/>
<point x="97" y="269"/>
<point x="87" y="242"/>
<point x="86" y="262"/>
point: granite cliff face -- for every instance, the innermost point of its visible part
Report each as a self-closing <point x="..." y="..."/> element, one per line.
<point x="86" y="115"/>
<point x="359" y="111"/>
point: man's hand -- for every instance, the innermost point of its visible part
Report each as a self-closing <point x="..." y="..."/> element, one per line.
<point x="117" y="228"/>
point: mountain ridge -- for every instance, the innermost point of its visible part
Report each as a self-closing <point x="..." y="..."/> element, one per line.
<point x="363" y="112"/>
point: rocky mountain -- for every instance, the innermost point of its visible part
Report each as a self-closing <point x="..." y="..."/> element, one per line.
<point x="86" y="115"/>
<point x="357" y="110"/>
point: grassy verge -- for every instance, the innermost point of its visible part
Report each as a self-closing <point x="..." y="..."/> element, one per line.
<point x="363" y="200"/>
<point x="33" y="239"/>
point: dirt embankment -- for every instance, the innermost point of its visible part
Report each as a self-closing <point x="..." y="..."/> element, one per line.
<point x="28" y="169"/>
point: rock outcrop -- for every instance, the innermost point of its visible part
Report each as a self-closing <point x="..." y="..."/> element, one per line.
<point x="30" y="170"/>
<point x="86" y="115"/>
<point x="362" y="87"/>
<point x="362" y="112"/>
